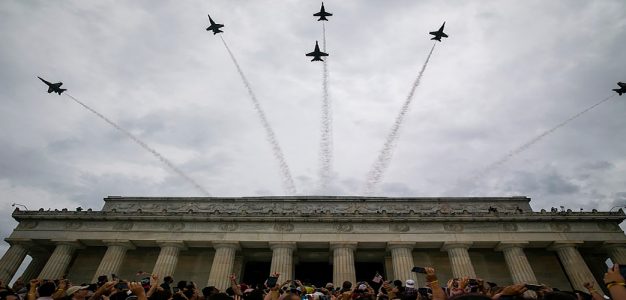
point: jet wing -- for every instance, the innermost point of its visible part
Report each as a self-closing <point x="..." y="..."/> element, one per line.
<point x="433" y="32"/>
<point x="319" y="14"/>
<point x="57" y="85"/>
<point x="444" y="35"/>
<point x="50" y="89"/>
<point x="622" y="84"/>
<point x="311" y="54"/>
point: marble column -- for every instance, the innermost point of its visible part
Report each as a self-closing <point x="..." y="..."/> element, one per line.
<point x="282" y="259"/>
<point x="616" y="251"/>
<point x="12" y="259"/>
<point x="574" y="264"/>
<point x="402" y="260"/>
<point x="60" y="259"/>
<point x="343" y="262"/>
<point x="222" y="265"/>
<point x="113" y="257"/>
<point x="168" y="258"/>
<point x="459" y="259"/>
<point x="517" y="263"/>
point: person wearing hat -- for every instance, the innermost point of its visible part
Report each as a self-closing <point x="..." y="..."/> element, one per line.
<point x="77" y="292"/>
<point x="410" y="292"/>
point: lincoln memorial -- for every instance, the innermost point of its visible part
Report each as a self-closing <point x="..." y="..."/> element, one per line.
<point x="318" y="238"/>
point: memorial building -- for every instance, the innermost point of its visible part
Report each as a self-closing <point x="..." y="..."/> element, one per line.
<point x="317" y="239"/>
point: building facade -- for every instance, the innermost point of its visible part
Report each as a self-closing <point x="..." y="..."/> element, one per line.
<point x="318" y="239"/>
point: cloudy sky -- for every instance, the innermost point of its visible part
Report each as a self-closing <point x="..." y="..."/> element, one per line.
<point x="509" y="71"/>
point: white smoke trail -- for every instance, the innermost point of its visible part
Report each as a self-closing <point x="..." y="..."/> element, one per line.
<point x="144" y="145"/>
<point x="326" y="140"/>
<point x="374" y="176"/>
<point x="288" y="184"/>
<point x="536" y="139"/>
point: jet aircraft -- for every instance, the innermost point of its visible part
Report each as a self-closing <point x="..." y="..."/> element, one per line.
<point x="214" y="26"/>
<point x="439" y="33"/>
<point x="622" y="88"/>
<point x="317" y="53"/>
<point x="53" y="87"/>
<point x="322" y="14"/>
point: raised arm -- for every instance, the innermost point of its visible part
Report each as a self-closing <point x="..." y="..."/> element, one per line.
<point x="431" y="277"/>
<point x="615" y="283"/>
<point x="234" y="285"/>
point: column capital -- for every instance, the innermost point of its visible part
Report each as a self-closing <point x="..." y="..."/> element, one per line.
<point x="176" y="244"/>
<point x="349" y="245"/>
<point x="451" y="245"/>
<point x="287" y="245"/>
<point x="395" y="245"/>
<point x="613" y="244"/>
<point x="122" y="243"/>
<point x="506" y="245"/>
<point x="226" y="244"/>
<point x="563" y="244"/>
<point x="76" y="244"/>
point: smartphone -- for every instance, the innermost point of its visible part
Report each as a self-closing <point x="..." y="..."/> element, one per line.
<point x="473" y="282"/>
<point x="271" y="281"/>
<point x="122" y="286"/>
<point x="418" y="270"/>
<point x="534" y="287"/>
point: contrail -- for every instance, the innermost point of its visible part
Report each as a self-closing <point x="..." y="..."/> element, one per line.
<point x="381" y="164"/>
<point x="144" y="145"/>
<point x="288" y="184"/>
<point x="536" y="139"/>
<point x="326" y="141"/>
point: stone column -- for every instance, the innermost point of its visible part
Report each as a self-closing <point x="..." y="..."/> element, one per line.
<point x="12" y="259"/>
<point x="574" y="264"/>
<point x="459" y="259"/>
<point x="113" y="258"/>
<point x="343" y="262"/>
<point x="616" y="251"/>
<point x="60" y="259"/>
<point x="222" y="265"/>
<point x="516" y="261"/>
<point x="402" y="260"/>
<point x="282" y="259"/>
<point x="168" y="258"/>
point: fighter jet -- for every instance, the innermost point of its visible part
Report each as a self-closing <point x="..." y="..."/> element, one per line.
<point x="214" y="26"/>
<point x="622" y="88"/>
<point x="322" y="14"/>
<point x="439" y="33"/>
<point x="317" y="53"/>
<point x="53" y="87"/>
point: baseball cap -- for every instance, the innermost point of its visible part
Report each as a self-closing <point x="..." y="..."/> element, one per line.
<point x="75" y="289"/>
<point x="410" y="283"/>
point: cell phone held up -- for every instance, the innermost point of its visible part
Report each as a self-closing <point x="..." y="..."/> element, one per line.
<point x="421" y="270"/>
<point x="271" y="281"/>
<point x="534" y="287"/>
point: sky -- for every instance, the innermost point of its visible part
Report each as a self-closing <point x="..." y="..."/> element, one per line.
<point x="509" y="71"/>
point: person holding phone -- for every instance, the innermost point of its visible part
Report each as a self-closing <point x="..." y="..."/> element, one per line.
<point x="615" y="283"/>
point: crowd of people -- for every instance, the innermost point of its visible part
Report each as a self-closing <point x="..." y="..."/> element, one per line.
<point x="152" y="288"/>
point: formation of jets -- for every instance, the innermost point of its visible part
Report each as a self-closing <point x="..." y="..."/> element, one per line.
<point x="439" y="33"/>
<point x="322" y="14"/>
<point x="316" y="54"/>
<point x="622" y="88"/>
<point x="53" y="87"/>
<point x="214" y="26"/>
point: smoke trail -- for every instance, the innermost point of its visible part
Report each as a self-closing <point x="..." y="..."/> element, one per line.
<point x="384" y="157"/>
<point x="288" y="184"/>
<point x="536" y="139"/>
<point x="326" y="140"/>
<point x="145" y="146"/>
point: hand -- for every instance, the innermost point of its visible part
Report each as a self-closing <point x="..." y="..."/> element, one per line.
<point x="34" y="283"/>
<point x="232" y="277"/>
<point x="136" y="288"/>
<point x="613" y="275"/>
<point x="430" y="274"/>
<point x="106" y="287"/>
<point x="63" y="284"/>
<point x="588" y="285"/>
<point x="154" y="279"/>
<point x="514" y="290"/>
<point x="463" y="282"/>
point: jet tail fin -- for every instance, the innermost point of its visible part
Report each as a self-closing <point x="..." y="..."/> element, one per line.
<point x="436" y="39"/>
<point x="322" y="18"/>
<point x="61" y="91"/>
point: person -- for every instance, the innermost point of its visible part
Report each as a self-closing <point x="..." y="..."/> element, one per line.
<point x="410" y="292"/>
<point x="77" y="292"/>
<point x="615" y="283"/>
